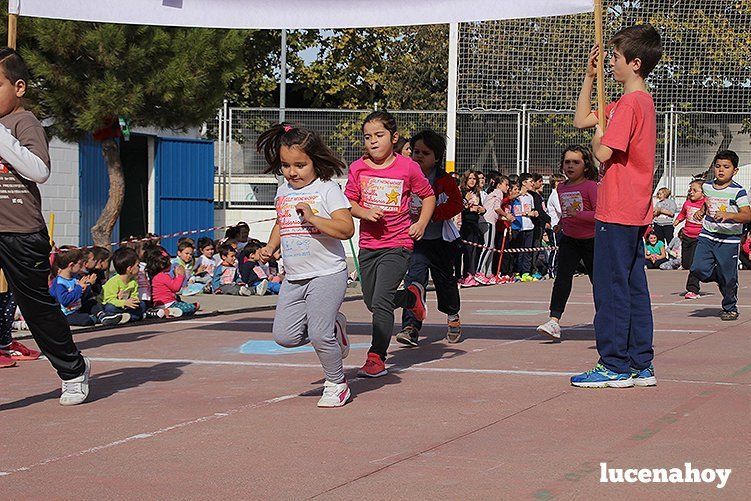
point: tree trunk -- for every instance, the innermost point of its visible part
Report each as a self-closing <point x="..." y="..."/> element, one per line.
<point x="102" y="230"/>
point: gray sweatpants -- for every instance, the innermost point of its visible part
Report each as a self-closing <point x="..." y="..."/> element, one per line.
<point x="306" y="312"/>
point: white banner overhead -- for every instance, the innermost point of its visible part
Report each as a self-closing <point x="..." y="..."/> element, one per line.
<point x="293" y="14"/>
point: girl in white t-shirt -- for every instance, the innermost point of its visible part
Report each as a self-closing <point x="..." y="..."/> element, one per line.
<point x="313" y="217"/>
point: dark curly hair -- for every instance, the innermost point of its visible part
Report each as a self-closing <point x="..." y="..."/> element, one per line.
<point x="326" y="163"/>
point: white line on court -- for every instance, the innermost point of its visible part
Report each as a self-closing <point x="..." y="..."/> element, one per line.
<point x="693" y="302"/>
<point x="220" y="415"/>
<point x="497" y="327"/>
<point x="151" y="434"/>
<point x="393" y="368"/>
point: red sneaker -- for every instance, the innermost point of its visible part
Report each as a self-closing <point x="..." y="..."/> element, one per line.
<point x="374" y="366"/>
<point x="6" y="362"/>
<point x="17" y="351"/>
<point x="420" y="309"/>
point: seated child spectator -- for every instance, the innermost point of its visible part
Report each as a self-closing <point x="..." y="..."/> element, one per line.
<point x="674" y="254"/>
<point x="164" y="286"/>
<point x="139" y="245"/>
<point x="243" y="236"/>
<point x="251" y="271"/>
<point x="74" y="294"/>
<point x="186" y="248"/>
<point x="186" y="258"/>
<point x="98" y="262"/>
<point x="655" y="252"/>
<point x="743" y="255"/>
<point x="226" y="278"/>
<point x="205" y="260"/>
<point x="121" y="290"/>
<point x="239" y="233"/>
<point x="229" y="241"/>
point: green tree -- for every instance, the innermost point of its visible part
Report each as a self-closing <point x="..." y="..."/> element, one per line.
<point x="89" y="74"/>
<point x="257" y="84"/>
<point x="396" y="67"/>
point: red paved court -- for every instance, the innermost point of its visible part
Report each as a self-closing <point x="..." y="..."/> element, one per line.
<point x="179" y="411"/>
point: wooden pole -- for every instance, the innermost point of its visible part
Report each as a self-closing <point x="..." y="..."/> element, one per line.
<point x="12" y="30"/>
<point x="51" y="227"/>
<point x="600" y="65"/>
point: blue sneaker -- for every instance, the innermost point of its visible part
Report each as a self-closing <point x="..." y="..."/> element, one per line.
<point x="602" y="377"/>
<point x="644" y="377"/>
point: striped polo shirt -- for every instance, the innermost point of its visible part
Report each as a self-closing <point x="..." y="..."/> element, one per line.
<point x="728" y="199"/>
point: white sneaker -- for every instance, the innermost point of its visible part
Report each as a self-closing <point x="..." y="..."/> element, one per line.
<point x="174" y="312"/>
<point x="75" y="391"/>
<point x="340" y="330"/>
<point x="262" y="287"/>
<point x="550" y="328"/>
<point x="245" y="291"/>
<point x="125" y="318"/>
<point x="334" y="395"/>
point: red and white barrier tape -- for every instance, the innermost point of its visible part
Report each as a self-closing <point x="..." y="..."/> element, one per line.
<point x="512" y="251"/>
<point x="177" y="234"/>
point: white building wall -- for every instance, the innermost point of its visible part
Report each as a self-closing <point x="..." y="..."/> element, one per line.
<point x="60" y="194"/>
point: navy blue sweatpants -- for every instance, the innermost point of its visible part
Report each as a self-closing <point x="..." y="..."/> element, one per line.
<point x="623" y="311"/>
<point x="718" y="262"/>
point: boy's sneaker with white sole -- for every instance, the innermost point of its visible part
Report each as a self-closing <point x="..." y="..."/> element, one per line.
<point x="76" y="390"/>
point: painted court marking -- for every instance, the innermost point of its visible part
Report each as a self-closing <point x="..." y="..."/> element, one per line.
<point x="492" y="327"/>
<point x="151" y="434"/>
<point x="263" y="403"/>
<point x="269" y="347"/>
<point x="393" y="368"/>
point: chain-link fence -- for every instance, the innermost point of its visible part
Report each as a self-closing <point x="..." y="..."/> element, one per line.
<point x="511" y="142"/>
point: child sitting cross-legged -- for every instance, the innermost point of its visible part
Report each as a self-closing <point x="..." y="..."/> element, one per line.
<point x="205" y="263"/>
<point x="121" y="290"/>
<point x="74" y="294"/>
<point x="226" y="277"/>
<point x="165" y="286"/>
<point x="253" y="273"/>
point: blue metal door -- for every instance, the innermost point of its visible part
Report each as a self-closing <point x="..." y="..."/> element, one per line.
<point x="184" y="171"/>
<point x="93" y="188"/>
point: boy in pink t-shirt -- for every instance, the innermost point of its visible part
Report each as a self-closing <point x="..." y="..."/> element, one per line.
<point x="623" y="312"/>
<point x="379" y="188"/>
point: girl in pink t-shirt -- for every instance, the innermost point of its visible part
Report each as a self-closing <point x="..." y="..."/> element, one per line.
<point x="693" y="214"/>
<point x="165" y="286"/>
<point x="578" y="198"/>
<point x="379" y="187"/>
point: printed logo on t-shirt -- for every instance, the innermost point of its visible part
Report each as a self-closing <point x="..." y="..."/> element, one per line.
<point x="717" y="204"/>
<point x="290" y="221"/>
<point x="522" y="208"/>
<point x="381" y="193"/>
<point x="690" y="213"/>
<point x="228" y="275"/>
<point x="571" y="201"/>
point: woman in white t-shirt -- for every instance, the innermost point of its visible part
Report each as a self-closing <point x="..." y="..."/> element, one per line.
<point x="313" y="217"/>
